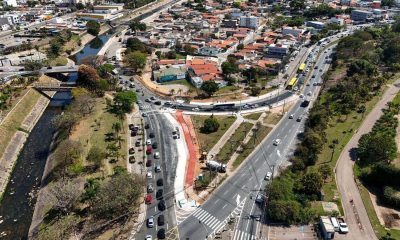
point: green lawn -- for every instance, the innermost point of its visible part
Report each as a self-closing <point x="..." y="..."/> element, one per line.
<point x="207" y="141"/>
<point x="252" y="144"/>
<point x="59" y="61"/>
<point x="226" y="89"/>
<point x="230" y="147"/>
<point x="253" y="116"/>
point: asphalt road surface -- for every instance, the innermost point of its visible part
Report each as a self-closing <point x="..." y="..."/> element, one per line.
<point x="167" y="148"/>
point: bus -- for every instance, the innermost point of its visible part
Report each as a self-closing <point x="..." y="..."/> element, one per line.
<point x="291" y="83"/>
<point x="302" y="68"/>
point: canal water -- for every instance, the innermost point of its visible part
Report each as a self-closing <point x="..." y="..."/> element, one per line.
<point x="18" y="203"/>
<point x="91" y="49"/>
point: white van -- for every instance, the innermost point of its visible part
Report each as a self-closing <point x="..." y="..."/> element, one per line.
<point x="335" y="224"/>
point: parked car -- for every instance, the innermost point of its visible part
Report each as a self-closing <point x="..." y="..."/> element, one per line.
<point x="150" y="188"/>
<point x="149" y="150"/>
<point x="149" y="163"/>
<point x="161" y="205"/>
<point x="161" y="233"/>
<point x="150" y="222"/>
<point x="157" y="169"/>
<point x="155" y="145"/>
<point x="132" y="159"/>
<point x="148" y="199"/>
<point x="160" y="182"/>
<point x="148" y="142"/>
<point x="156" y="155"/>
<point x="160" y="220"/>
<point x="147" y="126"/>
<point x="268" y="176"/>
<point x="149" y="175"/>
<point x="151" y="135"/>
<point x="131" y="150"/>
<point x="159" y="194"/>
<point x="137" y="143"/>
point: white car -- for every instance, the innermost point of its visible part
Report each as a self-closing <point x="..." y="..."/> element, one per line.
<point x="277" y="142"/>
<point x="195" y="109"/>
<point x="148" y="142"/>
<point x="149" y="175"/>
<point x="268" y="176"/>
<point x="309" y="93"/>
<point x="150" y="222"/>
<point x="149" y="237"/>
<point x="343" y="227"/>
<point x="156" y="155"/>
<point x="291" y="116"/>
<point x="301" y="96"/>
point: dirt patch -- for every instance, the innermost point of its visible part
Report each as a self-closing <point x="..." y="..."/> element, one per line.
<point x="388" y="217"/>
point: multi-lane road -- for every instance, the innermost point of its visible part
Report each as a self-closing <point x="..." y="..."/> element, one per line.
<point x="235" y="197"/>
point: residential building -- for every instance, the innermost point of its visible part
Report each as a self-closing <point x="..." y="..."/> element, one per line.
<point x="10" y="3"/>
<point x="360" y="15"/>
<point x="295" y="32"/>
<point x="209" y="51"/>
<point x="4" y="24"/>
<point x="336" y="20"/>
<point x="315" y="24"/>
<point x="201" y="70"/>
<point x="249" y="22"/>
<point x="277" y="50"/>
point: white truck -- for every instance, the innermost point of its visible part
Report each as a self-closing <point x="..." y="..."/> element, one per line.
<point x="216" y="166"/>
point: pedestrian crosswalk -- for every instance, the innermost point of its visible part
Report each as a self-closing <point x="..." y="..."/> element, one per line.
<point x="208" y="220"/>
<point x="240" y="235"/>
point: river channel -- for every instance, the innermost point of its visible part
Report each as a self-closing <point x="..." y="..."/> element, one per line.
<point x="18" y="203"/>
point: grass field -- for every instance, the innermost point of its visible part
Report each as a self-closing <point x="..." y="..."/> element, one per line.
<point x="230" y="147"/>
<point x="14" y="119"/>
<point x="92" y="130"/>
<point x="272" y="118"/>
<point x="59" y="61"/>
<point x="253" y="116"/>
<point x="207" y="141"/>
<point x="252" y="144"/>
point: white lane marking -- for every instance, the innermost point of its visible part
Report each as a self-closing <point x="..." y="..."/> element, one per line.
<point x="278" y="153"/>
<point x="224" y="206"/>
<point x="237" y="199"/>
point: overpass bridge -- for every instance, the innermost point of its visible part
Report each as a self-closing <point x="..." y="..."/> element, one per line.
<point x="7" y="76"/>
<point x="42" y="88"/>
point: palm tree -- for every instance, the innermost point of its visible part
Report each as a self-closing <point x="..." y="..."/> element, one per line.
<point x="172" y="91"/>
<point x="180" y="91"/>
<point x="119" y="140"/>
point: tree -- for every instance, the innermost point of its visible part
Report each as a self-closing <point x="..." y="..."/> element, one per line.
<point x="65" y="121"/>
<point x="55" y="48"/>
<point x="96" y="156"/>
<point x="63" y="194"/>
<point x="326" y="171"/>
<point x="229" y="68"/>
<point x="284" y="211"/>
<point x="134" y="44"/>
<point x="210" y="87"/>
<point x="312" y="182"/>
<point x="105" y="69"/>
<point x="388" y="3"/>
<point x="88" y="77"/>
<point x="361" y="66"/>
<point x="137" y="25"/>
<point x="119" y="195"/>
<point x="84" y="104"/>
<point x="170" y="55"/>
<point x="124" y="101"/>
<point x="117" y="128"/>
<point x="210" y="125"/>
<point x="135" y="60"/>
<point x="255" y="91"/>
<point x="376" y="147"/>
<point x="189" y="49"/>
<point x="93" y="27"/>
<point x="297" y="5"/>
<point x="240" y="46"/>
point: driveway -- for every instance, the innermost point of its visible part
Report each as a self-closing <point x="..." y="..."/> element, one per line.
<point x="356" y="215"/>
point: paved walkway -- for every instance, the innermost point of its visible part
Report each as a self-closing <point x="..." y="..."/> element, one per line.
<point x="356" y="214"/>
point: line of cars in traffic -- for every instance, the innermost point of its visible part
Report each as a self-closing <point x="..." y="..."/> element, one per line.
<point x="154" y="172"/>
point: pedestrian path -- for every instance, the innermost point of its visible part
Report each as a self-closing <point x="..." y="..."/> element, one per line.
<point x="240" y="235"/>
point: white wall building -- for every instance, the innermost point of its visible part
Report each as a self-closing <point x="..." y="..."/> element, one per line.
<point x="10" y="3"/>
<point x="249" y="22"/>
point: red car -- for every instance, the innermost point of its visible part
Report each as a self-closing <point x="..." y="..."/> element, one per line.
<point x="148" y="199"/>
<point x="149" y="150"/>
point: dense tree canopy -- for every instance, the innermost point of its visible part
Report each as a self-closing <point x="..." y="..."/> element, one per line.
<point x="210" y="87"/>
<point x="93" y="27"/>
